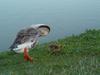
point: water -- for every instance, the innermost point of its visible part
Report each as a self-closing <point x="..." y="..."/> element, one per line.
<point x="66" y="17"/>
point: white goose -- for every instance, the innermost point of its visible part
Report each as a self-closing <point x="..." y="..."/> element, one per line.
<point x="27" y="38"/>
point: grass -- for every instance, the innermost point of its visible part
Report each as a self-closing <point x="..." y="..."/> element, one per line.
<point x="80" y="55"/>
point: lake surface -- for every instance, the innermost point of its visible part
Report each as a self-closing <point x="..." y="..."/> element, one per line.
<point x="66" y="17"/>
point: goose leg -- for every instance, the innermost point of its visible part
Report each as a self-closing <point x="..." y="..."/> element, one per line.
<point x="26" y="55"/>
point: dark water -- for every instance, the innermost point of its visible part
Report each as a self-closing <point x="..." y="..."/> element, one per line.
<point x="65" y="17"/>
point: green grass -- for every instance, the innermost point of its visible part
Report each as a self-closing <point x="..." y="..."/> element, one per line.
<point x="80" y="55"/>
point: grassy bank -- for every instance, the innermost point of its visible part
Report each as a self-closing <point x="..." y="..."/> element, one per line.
<point x="78" y="55"/>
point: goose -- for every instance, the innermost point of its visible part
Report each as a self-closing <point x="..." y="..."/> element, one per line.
<point x="27" y="38"/>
